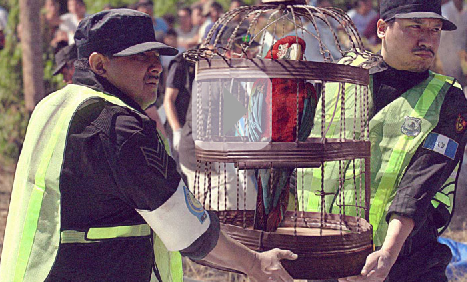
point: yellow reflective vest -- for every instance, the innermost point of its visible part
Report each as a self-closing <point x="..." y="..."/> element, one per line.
<point x="32" y="235"/>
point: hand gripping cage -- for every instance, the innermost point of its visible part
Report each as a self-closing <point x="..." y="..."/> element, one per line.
<point x="278" y="167"/>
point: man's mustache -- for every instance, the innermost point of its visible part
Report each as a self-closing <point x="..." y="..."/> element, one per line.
<point x="423" y="48"/>
<point x="153" y="77"/>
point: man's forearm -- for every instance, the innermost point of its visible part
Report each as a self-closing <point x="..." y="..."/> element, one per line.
<point x="264" y="266"/>
<point x="398" y="230"/>
<point x="229" y="253"/>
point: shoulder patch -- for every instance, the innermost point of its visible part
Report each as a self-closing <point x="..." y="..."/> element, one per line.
<point x="157" y="158"/>
<point x="441" y="144"/>
<point x="461" y="124"/>
<point x="412" y="126"/>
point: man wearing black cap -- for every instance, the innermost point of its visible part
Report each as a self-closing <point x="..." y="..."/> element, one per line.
<point x="64" y="60"/>
<point x="418" y="137"/>
<point x="96" y="196"/>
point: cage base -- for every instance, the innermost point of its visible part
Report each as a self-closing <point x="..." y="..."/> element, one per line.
<point x="339" y="249"/>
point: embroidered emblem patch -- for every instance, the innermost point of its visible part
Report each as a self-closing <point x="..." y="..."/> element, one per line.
<point x="461" y="124"/>
<point x="441" y="144"/>
<point x="157" y="158"/>
<point x="411" y="126"/>
<point x="194" y="206"/>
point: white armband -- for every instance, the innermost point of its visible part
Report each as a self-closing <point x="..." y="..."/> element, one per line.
<point x="179" y="221"/>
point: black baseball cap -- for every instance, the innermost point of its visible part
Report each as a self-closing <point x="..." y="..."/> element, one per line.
<point x="66" y="54"/>
<point x="414" y="9"/>
<point x="118" y="32"/>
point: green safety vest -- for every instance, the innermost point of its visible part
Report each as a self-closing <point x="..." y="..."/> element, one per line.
<point x="391" y="149"/>
<point x="32" y="235"/>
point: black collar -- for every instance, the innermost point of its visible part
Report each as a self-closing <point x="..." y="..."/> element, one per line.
<point x="389" y="83"/>
<point x="89" y="79"/>
<point x="391" y="73"/>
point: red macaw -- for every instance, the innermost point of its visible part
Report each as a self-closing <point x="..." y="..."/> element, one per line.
<point x="273" y="114"/>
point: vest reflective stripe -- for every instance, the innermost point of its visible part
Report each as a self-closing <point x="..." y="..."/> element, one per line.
<point x="118" y="231"/>
<point x="405" y="146"/>
<point x="35" y="193"/>
<point x="98" y="234"/>
<point x="32" y="235"/>
<point x="168" y="263"/>
<point x="446" y="195"/>
<point x="35" y="202"/>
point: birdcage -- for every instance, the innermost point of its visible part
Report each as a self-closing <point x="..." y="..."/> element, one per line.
<point x="261" y="134"/>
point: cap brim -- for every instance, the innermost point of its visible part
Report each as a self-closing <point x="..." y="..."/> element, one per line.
<point x="58" y="68"/>
<point x="447" y="24"/>
<point x="163" y="49"/>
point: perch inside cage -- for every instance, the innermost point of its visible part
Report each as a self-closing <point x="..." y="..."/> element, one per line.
<point x="278" y="167"/>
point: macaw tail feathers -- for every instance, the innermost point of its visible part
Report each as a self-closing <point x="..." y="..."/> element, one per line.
<point x="308" y="114"/>
<point x="273" y="198"/>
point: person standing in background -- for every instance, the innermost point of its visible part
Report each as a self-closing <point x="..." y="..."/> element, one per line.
<point x="70" y="20"/>
<point x="223" y="177"/>
<point x="64" y="61"/>
<point x="160" y="26"/>
<point x="186" y="31"/>
<point x="197" y="17"/>
<point x="362" y="15"/>
<point x="215" y="12"/>
<point x="3" y="17"/>
<point x="206" y="6"/>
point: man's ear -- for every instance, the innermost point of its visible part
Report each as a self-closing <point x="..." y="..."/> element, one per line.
<point x="381" y="27"/>
<point x="98" y="63"/>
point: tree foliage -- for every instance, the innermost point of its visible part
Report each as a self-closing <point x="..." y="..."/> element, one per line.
<point x="14" y="116"/>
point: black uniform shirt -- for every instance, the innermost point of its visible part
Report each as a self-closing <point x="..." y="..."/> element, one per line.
<point x="114" y="163"/>
<point x="427" y="170"/>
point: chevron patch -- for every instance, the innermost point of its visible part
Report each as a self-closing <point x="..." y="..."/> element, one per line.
<point x="157" y="158"/>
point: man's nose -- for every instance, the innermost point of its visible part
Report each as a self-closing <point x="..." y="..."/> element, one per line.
<point x="427" y="37"/>
<point x="155" y="64"/>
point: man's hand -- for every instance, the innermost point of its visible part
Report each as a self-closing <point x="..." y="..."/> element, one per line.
<point x="260" y="267"/>
<point x="177" y="134"/>
<point x="377" y="267"/>
<point x="379" y="263"/>
<point x="267" y="266"/>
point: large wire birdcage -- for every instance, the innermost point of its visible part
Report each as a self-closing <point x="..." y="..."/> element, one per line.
<point x="269" y="115"/>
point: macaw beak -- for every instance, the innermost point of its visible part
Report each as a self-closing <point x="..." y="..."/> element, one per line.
<point x="294" y="52"/>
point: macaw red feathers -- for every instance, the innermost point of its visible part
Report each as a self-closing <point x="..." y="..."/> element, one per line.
<point x="287" y="97"/>
<point x="279" y="49"/>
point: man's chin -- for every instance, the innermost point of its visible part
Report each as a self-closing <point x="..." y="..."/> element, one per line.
<point x="421" y="66"/>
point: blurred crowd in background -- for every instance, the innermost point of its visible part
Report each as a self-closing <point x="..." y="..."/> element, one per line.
<point x="188" y="27"/>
